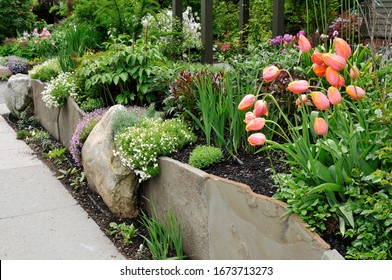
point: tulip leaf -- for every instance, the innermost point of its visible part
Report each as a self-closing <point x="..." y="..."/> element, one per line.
<point x="324" y="173"/>
<point x="327" y="187"/>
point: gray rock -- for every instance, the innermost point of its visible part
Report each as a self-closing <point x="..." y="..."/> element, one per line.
<point x="18" y="96"/>
<point x="5" y="72"/>
<point x="116" y="184"/>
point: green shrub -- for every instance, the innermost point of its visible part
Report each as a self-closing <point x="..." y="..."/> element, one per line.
<point x="15" y="17"/>
<point x="46" y="71"/>
<point x="140" y="146"/>
<point x="205" y="156"/>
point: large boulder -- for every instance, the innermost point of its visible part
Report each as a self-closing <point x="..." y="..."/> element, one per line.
<point x="116" y="184"/>
<point x="18" y="96"/>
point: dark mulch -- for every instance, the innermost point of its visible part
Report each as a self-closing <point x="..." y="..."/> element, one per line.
<point x="254" y="170"/>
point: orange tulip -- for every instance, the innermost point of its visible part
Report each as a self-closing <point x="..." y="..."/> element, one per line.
<point x="249" y="116"/>
<point x="301" y="100"/>
<point x="299" y="86"/>
<point x="355" y="92"/>
<point x="342" y="48"/>
<point x="260" y="108"/>
<point x="246" y="102"/>
<point x="320" y="126"/>
<point x="320" y="100"/>
<point x="334" y="95"/>
<point x="270" y="73"/>
<point x="319" y="70"/>
<point x="257" y="139"/>
<point x="334" y="61"/>
<point x="332" y="76"/>
<point x="317" y="58"/>
<point x="255" y="124"/>
<point x="354" y="72"/>
<point x="304" y="44"/>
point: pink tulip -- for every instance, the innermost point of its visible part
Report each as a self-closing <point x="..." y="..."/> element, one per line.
<point x="334" y="95"/>
<point x="317" y="58"/>
<point x="355" y="92"/>
<point x="270" y="73"/>
<point x="332" y="76"/>
<point x="319" y="70"/>
<point x="260" y="108"/>
<point x="354" y="72"/>
<point x="249" y="116"/>
<point x="320" y="100"/>
<point x="299" y="86"/>
<point x="301" y="100"/>
<point x="257" y="139"/>
<point x="341" y="81"/>
<point x="304" y="44"/>
<point x="246" y="102"/>
<point x="342" y="48"/>
<point x="334" y="61"/>
<point x="256" y="124"/>
<point x="36" y="42"/>
<point x="320" y="126"/>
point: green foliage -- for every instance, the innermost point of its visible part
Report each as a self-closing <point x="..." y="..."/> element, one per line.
<point x="75" y="42"/>
<point x="260" y="21"/>
<point x="46" y="71"/>
<point x="205" y="156"/>
<point x="23" y="134"/>
<point x="119" y="16"/>
<point x="15" y="17"/>
<point x="90" y="104"/>
<point x="127" y="232"/>
<point x="140" y="146"/>
<point x="132" y="116"/>
<point x="57" y="154"/>
<point x="123" y="73"/>
<point x="164" y="240"/>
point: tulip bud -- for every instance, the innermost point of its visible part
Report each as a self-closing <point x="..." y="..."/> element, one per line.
<point x="354" y="72"/>
<point x="334" y="95"/>
<point x="270" y="73"/>
<point x="332" y="76"/>
<point x="355" y="92"/>
<point x="257" y="139"/>
<point x="260" y="108"/>
<point x="319" y="70"/>
<point x="246" y="102"/>
<point x="255" y="124"/>
<point x="304" y="44"/>
<point x="320" y="100"/>
<point x="342" y="48"/>
<point x="249" y="116"/>
<point x="334" y="61"/>
<point x="301" y="100"/>
<point x="299" y="86"/>
<point x="320" y="126"/>
<point x="317" y="58"/>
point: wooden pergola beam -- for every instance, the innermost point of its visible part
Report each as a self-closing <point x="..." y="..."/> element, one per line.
<point x="278" y="18"/>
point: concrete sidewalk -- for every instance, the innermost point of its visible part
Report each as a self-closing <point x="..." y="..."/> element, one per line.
<point x="39" y="218"/>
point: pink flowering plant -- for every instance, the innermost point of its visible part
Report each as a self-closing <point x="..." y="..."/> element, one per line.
<point x="332" y="149"/>
<point x="82" y="131"/>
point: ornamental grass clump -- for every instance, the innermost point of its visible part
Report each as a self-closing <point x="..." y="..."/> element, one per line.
<point x="58" y="89"/>
<point x="82" y="131"/>
<point x="139" y="146"/>
<point x="46" y="71"/>
<point x="205" y="156"/>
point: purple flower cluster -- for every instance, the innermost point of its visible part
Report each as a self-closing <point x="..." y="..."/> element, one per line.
<point x="17" y="64"/>
<point x="83" y="128"/>
<point x="286" y="38"/>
